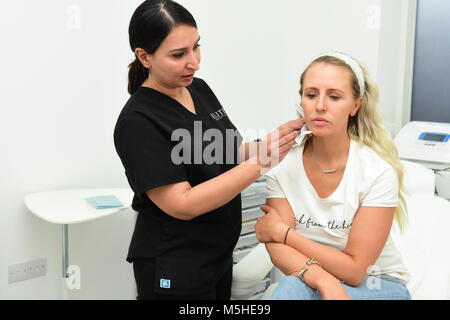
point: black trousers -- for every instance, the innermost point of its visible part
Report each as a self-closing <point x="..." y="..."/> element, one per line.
<point x="144" y="274"/>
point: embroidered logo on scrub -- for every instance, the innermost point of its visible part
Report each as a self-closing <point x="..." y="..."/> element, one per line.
<point x="218" y="115"/>
<point x="164" y="283"/>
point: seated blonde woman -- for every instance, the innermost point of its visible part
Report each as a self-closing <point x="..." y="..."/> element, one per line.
<point x="333" y="200"/>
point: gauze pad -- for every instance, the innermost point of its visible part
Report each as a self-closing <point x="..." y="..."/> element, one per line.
<point x="304" y="132"/>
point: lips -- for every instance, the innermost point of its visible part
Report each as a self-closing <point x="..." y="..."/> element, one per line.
<point x="320" y="122"/>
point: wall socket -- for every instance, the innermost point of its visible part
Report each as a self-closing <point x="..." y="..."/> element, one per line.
<point x="27" y="270"/>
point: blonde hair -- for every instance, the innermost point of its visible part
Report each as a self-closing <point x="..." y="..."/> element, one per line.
<point x="367" y="127"/>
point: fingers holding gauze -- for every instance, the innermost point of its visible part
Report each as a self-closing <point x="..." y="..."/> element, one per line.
<point x="293" y="125"/>
<point x="285" y="149"/>
<point x="277" y="146"/>
<point x="288" y="138"/>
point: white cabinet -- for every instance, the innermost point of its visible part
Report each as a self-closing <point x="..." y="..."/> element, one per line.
<point x="252" y="199"/>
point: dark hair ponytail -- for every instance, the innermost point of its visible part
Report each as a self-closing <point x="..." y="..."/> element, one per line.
<point x="150" y="24"/>
<point x="137" y="74"/>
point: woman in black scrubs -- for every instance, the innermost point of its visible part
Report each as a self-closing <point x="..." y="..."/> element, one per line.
<point x="184" y="161"/>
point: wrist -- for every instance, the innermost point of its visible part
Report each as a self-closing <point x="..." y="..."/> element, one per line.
<point x="255" y="164"/>
<point x="284" y="233"/>
<point x="262" y="153"/>
<point x="258" y="165"/>
<point x="251" y="149"/>
<point x="315" y="276"/>
<point x="323" y="280"/>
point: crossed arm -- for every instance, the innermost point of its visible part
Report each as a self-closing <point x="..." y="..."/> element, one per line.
<point x="368" y="235"/>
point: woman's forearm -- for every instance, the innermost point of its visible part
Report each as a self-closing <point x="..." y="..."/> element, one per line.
<point x="285" y="258"/>
<point x="290" y="262"/>
<point x="339" y="264"/>
<point x="249" y="150"/>
<point x="185" y="202"/>
<point x="216" y="192"/>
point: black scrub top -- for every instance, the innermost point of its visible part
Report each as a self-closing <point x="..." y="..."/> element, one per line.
<point x="194" y="254"/>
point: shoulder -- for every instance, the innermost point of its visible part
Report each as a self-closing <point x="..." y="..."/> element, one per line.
<point x="138" y="103"/>
<point x="369" y="162"/>
<point x="148" y="106"/>
<point x="203" y="88"/>
<point x="378" y="179"/>
<point x="133" y="112"/>
<point x="284" y="170"/>
<point x="199" y="83"/>
<point x="368" y="156"/>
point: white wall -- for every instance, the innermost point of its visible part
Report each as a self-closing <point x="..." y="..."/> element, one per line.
<point x="255" y="50"/>
<point x="62" y="89"/>
<point x="395" y="61"/>
<point x="63" y="83"/>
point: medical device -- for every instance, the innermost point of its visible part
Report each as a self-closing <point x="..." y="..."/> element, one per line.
<point x="428" y="143"/>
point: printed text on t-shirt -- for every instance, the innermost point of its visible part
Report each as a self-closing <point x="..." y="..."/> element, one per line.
<point x="332" y="224"/>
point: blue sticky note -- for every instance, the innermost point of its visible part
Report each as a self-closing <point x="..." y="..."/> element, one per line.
<point x="105" y="202"/>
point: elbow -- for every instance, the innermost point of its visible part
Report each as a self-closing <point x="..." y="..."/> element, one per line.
<point x="175" y="201"/>
<point x="355" y="271"/>
<point x="181" y="214"/>
<point x="178" y="208"/>
<point x="356" y="277"/>
<point x="354" y="281"/>
<point x="187" y="207"/>
<point x="184" y="209"/>
<point x="179" y="211"/>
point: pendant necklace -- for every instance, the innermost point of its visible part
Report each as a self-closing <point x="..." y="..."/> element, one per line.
<point x="321" y="168"/>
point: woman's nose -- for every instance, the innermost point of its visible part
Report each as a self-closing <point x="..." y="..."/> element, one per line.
<point x="321" y="104"/>
<point x="193" y="62"/>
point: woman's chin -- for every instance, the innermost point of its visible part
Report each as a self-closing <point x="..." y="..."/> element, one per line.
<point x="320" y="132"/>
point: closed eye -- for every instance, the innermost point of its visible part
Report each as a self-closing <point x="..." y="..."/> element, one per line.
<point x="180" y="54"/>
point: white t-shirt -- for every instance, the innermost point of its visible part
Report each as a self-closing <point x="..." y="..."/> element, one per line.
<point x="368" y="181"/>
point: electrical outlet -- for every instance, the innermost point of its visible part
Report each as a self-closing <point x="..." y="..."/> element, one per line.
<point x="27" y="270"/>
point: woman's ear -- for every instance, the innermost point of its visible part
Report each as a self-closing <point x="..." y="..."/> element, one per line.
<point x="357" y="106"/>
<point x="143" y="57"/>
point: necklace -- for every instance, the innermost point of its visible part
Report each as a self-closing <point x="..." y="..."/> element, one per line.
<point x="321" y="168"/>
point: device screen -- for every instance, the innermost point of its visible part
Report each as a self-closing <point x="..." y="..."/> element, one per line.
<point x="434" y="137"/>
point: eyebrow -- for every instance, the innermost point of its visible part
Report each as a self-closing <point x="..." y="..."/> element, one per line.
<point x="337" y="90"/>
<point x="182" y="49"/>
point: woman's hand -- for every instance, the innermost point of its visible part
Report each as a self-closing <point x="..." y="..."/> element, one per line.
<point x="275" y="146"/>
<point x="270" y="228"/>
<point x="331" y="289"/>
<point x="294" y="125"/>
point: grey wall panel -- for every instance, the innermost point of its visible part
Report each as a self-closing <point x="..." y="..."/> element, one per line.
<point x="431" y="89"/>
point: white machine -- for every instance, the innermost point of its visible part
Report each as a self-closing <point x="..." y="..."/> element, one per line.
<point x="428" y="143"/>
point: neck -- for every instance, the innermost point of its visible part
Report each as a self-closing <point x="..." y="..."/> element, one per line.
<point x="174" y="93"/>
<point x="330" y="150"/>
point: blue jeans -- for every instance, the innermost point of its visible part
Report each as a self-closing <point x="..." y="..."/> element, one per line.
<point x="382" y="287"/>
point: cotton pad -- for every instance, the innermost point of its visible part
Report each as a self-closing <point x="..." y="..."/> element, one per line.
<point x="304" y="132"/>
